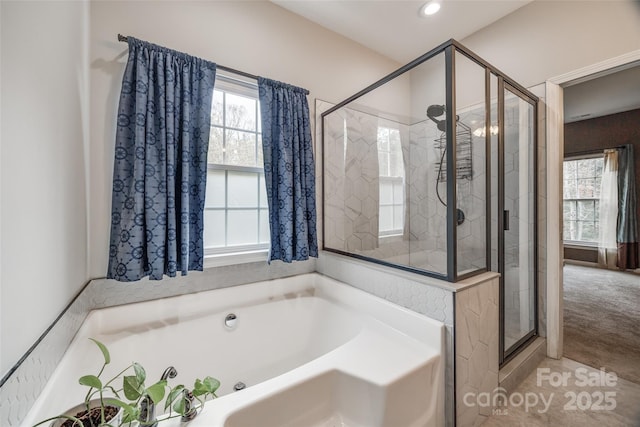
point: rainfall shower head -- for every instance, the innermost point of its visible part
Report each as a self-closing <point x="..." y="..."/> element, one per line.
<point x="435" y="111"/>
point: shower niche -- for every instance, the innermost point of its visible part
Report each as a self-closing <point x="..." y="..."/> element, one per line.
<point x="432" y="170"/>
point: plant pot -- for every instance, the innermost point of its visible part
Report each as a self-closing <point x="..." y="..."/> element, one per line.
<point x="94" y="403"/>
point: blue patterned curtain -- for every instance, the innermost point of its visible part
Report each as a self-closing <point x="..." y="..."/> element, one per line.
<point x="160" y="168"/>
<point x="289" y="171"/>
<point x="628" y="246"/>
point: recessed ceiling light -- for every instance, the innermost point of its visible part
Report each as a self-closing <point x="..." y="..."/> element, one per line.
<point x="430" y="7"/>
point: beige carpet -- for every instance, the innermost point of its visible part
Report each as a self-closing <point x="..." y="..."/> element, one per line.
<point x="602" y="319"/>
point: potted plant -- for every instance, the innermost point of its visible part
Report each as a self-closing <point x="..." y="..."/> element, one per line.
<point x="122" y="400"/>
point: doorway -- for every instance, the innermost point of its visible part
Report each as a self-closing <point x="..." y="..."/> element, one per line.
<point x="601" y="306"/>
<point x="555" y="154"/>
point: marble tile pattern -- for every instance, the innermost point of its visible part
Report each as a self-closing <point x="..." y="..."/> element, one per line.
<point x="428" y="214"/>
<point x="351" y="185"/>
<point x="23" y="386"/>
<point x="351" y="194"/>
<point x="352" y="180"/>
<point x="427" y="221"/>
<point x="472" y="198"/>
<point x="519" y="242"/>
<point x="476" y="359"/>
<point x="334" y="176"/>
<point x="386" y="282"/>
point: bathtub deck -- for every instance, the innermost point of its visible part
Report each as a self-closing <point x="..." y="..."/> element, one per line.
<point x="344" y="356"/>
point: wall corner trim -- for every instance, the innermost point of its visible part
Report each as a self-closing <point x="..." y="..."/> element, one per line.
<point x="617" y="63"/>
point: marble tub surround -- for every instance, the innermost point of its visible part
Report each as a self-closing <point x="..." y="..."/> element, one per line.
<point x="560" y="409"/>
<point x="21" y="388"/>
<point x="476" y="352"/>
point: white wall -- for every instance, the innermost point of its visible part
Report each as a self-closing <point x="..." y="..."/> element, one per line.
<point x="43" y="197"/>
<point x="540" y="41"/>
<point x="56" y="186"/>
<point x="545" y="39"/>
<point x="257" y="37"/>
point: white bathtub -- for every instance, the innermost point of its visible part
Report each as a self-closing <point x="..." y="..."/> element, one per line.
<point x="312" y="352"/>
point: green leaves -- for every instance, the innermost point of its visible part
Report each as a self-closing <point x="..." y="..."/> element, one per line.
<point x="131" y="412"/>
<point x="132" y="388"/>
<point x="177" y="399"/>
<point x="207" y="386"/>
<point x="141" y="375"/>
<point x="180" y="405"/>
<point x="103" y="349"/>
<point x="90" y="381"/>
<point x="174" y="393"/>
<point x="156" y="391"/>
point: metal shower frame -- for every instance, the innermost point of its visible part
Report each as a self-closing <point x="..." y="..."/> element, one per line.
<point x="450" y="48"/>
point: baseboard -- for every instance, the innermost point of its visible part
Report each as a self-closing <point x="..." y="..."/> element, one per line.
<point x="596" y="265"/>
<point x="582" y="263"/>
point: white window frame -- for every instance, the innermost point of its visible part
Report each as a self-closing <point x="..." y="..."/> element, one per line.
<point x="393" y="180"/>
<point x="397" y="231"/>
<point x="579" y="243"/>
<point x="228" y="255"/>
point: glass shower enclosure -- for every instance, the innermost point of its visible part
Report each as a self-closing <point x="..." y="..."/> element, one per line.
<point x="433" y="170"/>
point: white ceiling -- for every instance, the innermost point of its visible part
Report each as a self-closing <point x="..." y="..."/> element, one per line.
<point x="394" y="28"/>
<point x="609" y="94"/>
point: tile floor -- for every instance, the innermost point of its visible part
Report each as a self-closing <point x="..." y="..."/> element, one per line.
<point x="587" y="398"/>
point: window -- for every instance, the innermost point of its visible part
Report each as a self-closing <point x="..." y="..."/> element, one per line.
<point x="391" y="167"/>
<point x="581" y="194"/>
<point x="236" y="215"/>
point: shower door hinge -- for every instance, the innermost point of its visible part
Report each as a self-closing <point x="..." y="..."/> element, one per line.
<point x="505" y="220"/>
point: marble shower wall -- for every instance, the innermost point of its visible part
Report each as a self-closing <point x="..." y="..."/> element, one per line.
<point x="427" y="220"/>
<point x="352" y="186"/>
<point x="472" y="196"/>
<point x="519" y="240"/>
<point x="351" y="180"/>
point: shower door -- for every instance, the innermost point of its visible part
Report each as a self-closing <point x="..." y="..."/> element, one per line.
<point x="517" y="224"/>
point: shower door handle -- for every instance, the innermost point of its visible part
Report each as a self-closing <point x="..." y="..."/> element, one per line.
<point x="505" y="220"/>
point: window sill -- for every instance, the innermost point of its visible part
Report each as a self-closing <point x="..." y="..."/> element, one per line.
<point x="233" y="258"/>
<point x="389" y="238"/>
<point x="580" y="245"/>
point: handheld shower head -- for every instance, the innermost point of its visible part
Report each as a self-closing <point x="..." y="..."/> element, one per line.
<point x="434" y="111"/>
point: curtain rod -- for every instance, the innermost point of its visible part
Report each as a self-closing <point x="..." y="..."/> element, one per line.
<point x="124" y="39"/>
<point x="573" y="154"/>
